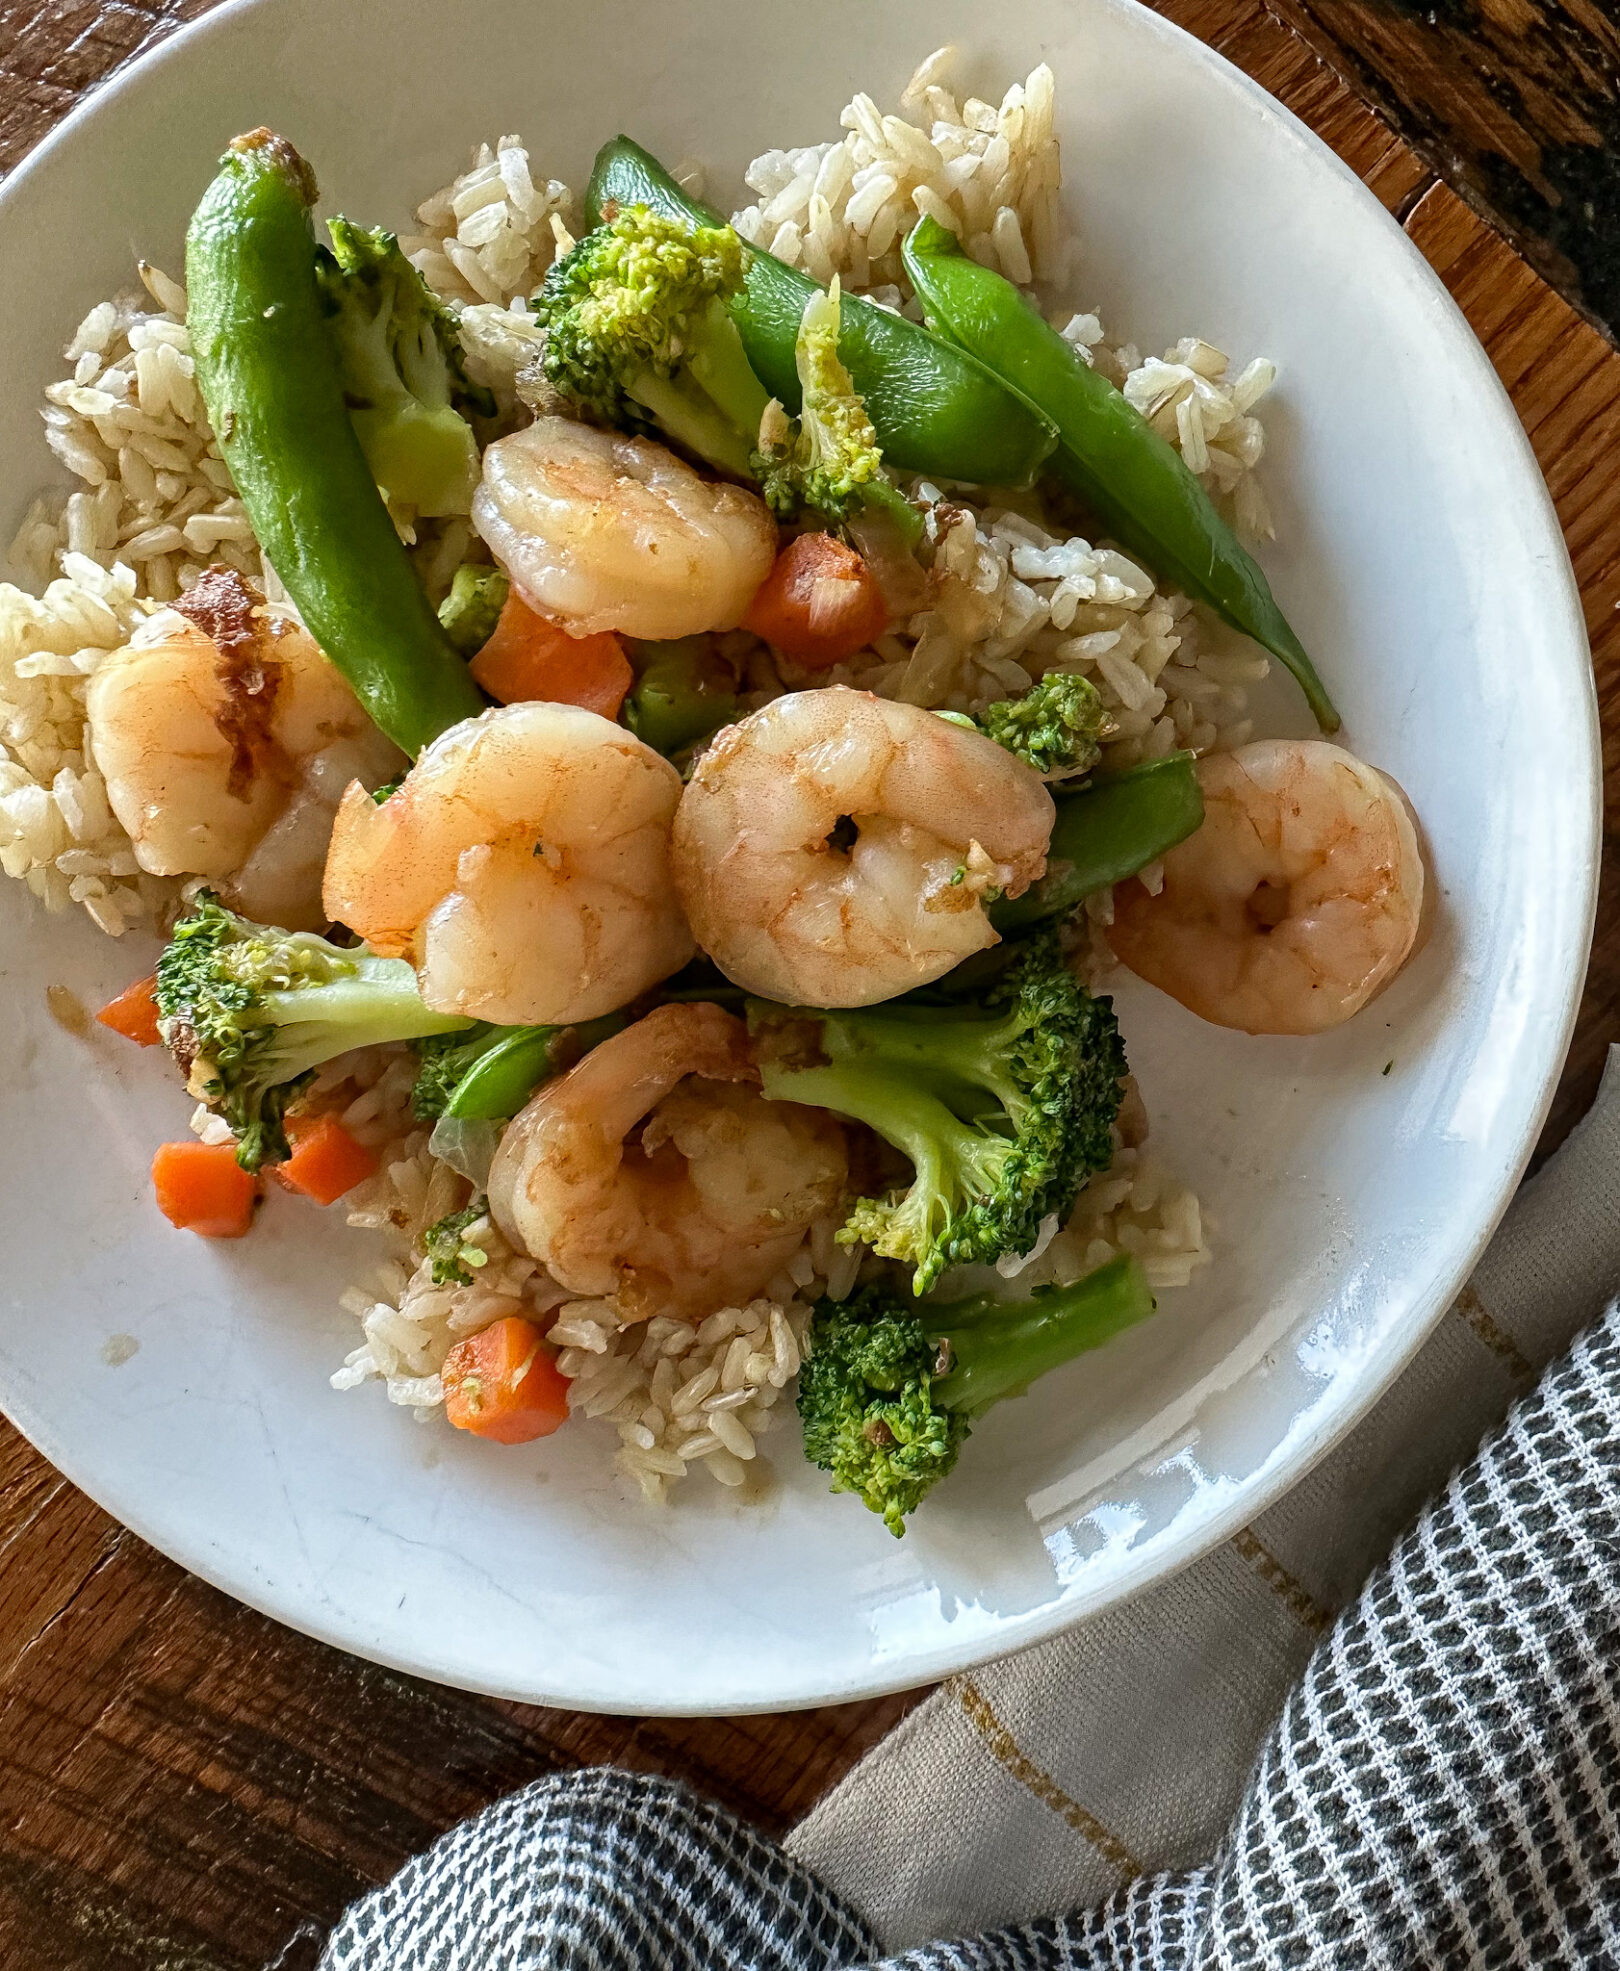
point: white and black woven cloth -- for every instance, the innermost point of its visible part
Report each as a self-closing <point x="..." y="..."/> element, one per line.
<point x="1442" y="1789"/>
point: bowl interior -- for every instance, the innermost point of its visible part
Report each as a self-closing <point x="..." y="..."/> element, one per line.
<point x="1350" y="1179"/>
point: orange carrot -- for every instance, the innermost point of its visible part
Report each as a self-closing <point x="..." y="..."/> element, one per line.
<point x="326" y="1161"/>
<point x="529" y="657"/>
<point x="819" y="604"/>
<point x="502" y="1384"/>
<point x="134" y="1013"/>
<point x="202" y="1188"/>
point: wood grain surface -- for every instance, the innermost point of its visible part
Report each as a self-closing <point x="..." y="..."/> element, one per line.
<point x="187" y="1786"/>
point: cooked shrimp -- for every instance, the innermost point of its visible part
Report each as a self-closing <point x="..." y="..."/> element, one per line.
<point x="1298" y="899"/>
<point x="604" y="532"/>
<point x="226" y="738"/>
<point x="654" y="1172"/>
<point x="834" y="849"/>
<point x="523" y="867"/>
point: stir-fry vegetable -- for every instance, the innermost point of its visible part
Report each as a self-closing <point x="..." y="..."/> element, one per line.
<point x="502" y="1384"/>
<point x="892" y="1387"/>
<point x="1004" y="1108"/>
<point x="683" y="691"/>
<point x="1108" y="453"/>
<point x="1057" y="726"/>
<point x="326" y="1161"/>
<point x="401" y="366"/>
<point x="250" y="1012"/>
<point x="934" y="408"/>
<point x="270" y="377"/>
<point x="528" y="656"/>
<point x="201" y="1188"/>
<point x="488" y="1073"/>
<point x="1105" y="831"/>
<point x="134" y="1013"/>
<point x="819" y="604"/>
<point x="469" y="613"/>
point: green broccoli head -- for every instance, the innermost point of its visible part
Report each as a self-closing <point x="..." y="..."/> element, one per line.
<point x="892" y="1386"/>
<point x="1057" y="727"/>
<point x="866" y="1403"/>
<point x="250" y="1012"/>
<point x="639" y="333"/>
<point x="446" y="1059"/>
<point x="1004" y="1111"/>
<point x="828" y="459"/>
<point x="453" y="1257"/>
<point x="402" y="369"/>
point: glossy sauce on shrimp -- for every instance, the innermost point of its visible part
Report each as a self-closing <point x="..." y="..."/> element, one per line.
<point x="654" y="1171"/>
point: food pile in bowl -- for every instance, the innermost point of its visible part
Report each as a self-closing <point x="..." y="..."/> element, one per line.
<point x="644" y="737"/>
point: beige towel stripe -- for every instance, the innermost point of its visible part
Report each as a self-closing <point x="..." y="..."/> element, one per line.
<point x="1299" y="1602"/>
<point x="1005" y="1750"/>
<point x="1495" y="1337"/>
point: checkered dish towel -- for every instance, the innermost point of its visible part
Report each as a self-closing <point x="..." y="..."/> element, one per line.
<point x="1252" y="1765"/>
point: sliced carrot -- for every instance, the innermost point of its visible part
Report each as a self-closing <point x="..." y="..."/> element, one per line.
<point x="202" y="1188"/>
<point x="134" y="1013"/>
<point x="529" y="657"/>
<point x="502" y="1384"/>
<point x="819" y="604"/>
<point x="326" y="1161"/>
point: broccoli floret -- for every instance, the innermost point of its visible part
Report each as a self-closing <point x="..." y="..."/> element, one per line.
<point x="455" y="1259"/>
<point x="473" y="607"/>
<point x="250" y="1012"/>
<point x="1004" y="1111"/>
<point x="446" y="1058"/>
<point x="891" y="1388"/>
<point x="638" y="332"/>
<point x="402" y="372"/>
<point x="828" y="457"/>
<point x="1057" y="727"/>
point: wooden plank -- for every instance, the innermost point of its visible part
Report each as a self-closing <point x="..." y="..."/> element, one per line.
<point x="187" y="1786"/>
<point x="1516" y="103"/>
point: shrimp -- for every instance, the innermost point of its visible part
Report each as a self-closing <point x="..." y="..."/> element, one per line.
<point x="603" y="532"/>
<point x="226" y="738"/>
<point x="653" y="1171"/>
<point x="1298" y="900"/>
<point x="522" y="866"/>
<point x="835" y="849"/>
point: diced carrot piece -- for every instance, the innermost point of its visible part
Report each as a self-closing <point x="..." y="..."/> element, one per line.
<point x="326" y="1161"/>
<point x="134" y="1013"/>
<point x="529" y="657"/>
<point x="502" y="1384"/>
<point x="202" y="1188"/>
<point x="819" y="604"/>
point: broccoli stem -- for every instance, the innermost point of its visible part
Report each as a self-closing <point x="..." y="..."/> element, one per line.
<point x="998" y="1350"/>
<point x="694" y="420"/>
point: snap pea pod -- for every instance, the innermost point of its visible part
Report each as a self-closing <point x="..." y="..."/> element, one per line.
<point x="935" y="409"/>
<point x="269" y="376"/>
<point x="1107" y="452"/>
<point x="682" y="693"/>
<point x="1115" y="825"/>
<point x="500" y="1081"/>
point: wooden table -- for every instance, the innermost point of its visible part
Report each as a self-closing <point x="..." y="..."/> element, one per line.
<point x="185" y="1786"/>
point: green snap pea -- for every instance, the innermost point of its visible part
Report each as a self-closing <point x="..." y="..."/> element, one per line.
<point x="682" y="693"/>
<point x="269" y="377"/>
<point x="1107" y="452"/>
<point x="1112" y="827"/>
<point x="934" y="408"/>
<point x="502" y="1079"/>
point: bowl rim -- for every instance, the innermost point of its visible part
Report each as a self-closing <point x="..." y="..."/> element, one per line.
<point x="1199" y="1529"/>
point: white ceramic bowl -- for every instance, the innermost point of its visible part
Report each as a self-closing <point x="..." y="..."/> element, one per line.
<point x="1420" y="560"/>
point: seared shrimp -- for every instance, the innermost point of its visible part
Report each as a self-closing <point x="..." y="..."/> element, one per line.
<point x="604" y="532"/>
<point x="226" y="739"/>
<point x="654" y="1172"/>
<point x="523" y="867"/>
<point x="835" y="849"/>
<point x="1298" y="899"/>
